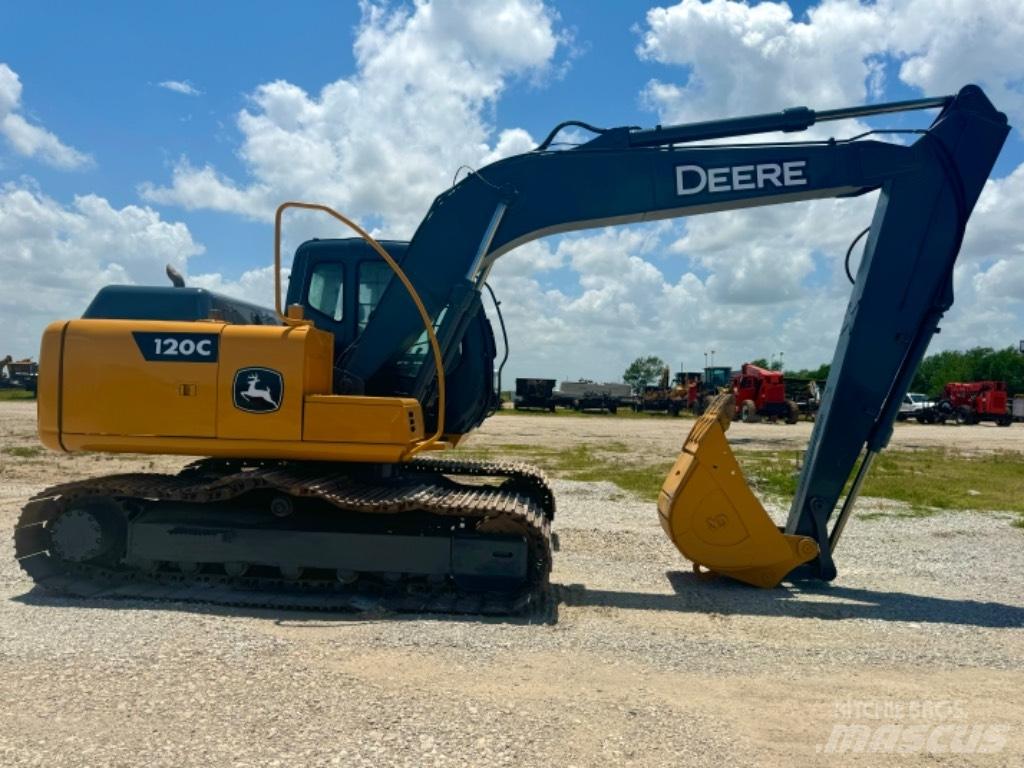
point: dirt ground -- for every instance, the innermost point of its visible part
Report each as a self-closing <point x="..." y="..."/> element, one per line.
<point x="915" y="654"/>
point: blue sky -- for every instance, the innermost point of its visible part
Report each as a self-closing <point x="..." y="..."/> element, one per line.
<point x="91" y="76"/>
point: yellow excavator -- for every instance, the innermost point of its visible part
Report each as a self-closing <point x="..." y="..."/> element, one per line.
<point x="321" y="423"/>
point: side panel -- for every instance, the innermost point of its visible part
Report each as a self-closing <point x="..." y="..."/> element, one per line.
<point x="110" y="387"/>
<point x="246" y="350"/>
<point x="375" y="420"/>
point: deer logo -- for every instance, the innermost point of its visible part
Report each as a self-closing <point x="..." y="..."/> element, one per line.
<point x="258" y="390"/>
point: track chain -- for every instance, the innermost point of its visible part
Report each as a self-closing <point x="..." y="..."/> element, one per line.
<point x="523" y="504"/>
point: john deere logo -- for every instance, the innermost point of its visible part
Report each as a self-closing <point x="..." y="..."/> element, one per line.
<point x="258" y="390"/>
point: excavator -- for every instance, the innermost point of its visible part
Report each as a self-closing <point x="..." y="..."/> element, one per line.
<point x="321" y="425"/>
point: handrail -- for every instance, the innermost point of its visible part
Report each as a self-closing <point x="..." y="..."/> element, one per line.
<point x="424" y="315"/>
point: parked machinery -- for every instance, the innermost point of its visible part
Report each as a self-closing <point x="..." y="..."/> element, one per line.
<point x="663" y="396"/>
<point x="713" y="381"/>
<point x="806" y="393"/>
<point x="18" y="374"/>
<point x="972" y="402"/>
<point x="761" y="393"/>
<point x="534" y="393"/>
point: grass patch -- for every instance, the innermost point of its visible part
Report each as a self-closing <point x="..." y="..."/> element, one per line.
<point x="926" y="480"/>
<point x="24" y="451"/>
<point x="609" y="462"/>
<point x="16" y="394"/>
<point x="939" y="479"/>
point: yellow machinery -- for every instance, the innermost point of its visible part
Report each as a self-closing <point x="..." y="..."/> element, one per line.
<point x="322" y="422"/>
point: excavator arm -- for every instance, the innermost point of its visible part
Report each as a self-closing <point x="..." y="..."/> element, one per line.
<point x="903" y="286"/>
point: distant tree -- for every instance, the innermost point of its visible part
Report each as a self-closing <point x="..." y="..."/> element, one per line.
<point x="760" y="362"/>
<point x="978" y="364"/>
<point x="818" y="374"/>
<point x="643" y="371"/>
<point x="935" y="371"/>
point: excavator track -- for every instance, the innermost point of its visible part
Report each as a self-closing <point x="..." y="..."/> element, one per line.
<point x="436" y="493"/>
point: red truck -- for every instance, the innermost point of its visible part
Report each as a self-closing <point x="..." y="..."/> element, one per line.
<point x="974" y="401"/>
<point x="762" y="393"/>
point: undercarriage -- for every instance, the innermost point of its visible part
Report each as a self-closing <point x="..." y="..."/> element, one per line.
<point x="452" y="536"/>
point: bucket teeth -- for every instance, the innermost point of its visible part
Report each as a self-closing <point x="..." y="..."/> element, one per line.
<point x="714" y="519"/>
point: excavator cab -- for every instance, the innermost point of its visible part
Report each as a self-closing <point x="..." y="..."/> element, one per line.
<point x="338" y="283"/>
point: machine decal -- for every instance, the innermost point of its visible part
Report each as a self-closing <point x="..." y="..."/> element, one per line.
<point x="258" y="390"/>
<point x="178" y="347"/>
<point x="691" y="179"/>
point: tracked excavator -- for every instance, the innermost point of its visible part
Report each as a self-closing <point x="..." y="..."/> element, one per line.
<point x="321" y="425"/>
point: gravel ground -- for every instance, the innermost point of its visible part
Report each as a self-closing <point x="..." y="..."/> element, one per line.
<point x="643" y="665"/>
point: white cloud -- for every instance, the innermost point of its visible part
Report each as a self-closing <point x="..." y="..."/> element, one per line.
<point x="944" y="44"/>
<point x="625" y="305"/>
<point x="56" y="257"/>
<point x="745" y="59"/>
<point x="183" y="87"/>
<point x="384" y="142"/>
<point x="28" y="139"/>
<point x="742" y="59"/>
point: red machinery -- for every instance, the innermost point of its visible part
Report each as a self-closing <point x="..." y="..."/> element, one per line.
<point x="974" y="401"/>
<point x="759" y="392"/>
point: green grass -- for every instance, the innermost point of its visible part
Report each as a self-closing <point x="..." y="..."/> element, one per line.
<point x="16" y="394"/>
<point x="609" y="461"/>
<point x="23" y="451"/>
<point x="937" y="479"/>
<point x="926" y="481"/>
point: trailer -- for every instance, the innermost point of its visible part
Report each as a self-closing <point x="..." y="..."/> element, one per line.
<point x="586" y="395"/>
<point x="19" y="374"/>
<point x="534" y="394"/>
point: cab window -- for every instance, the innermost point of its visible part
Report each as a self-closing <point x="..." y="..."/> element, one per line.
<point x="326" y="294"/>
<point x="373" y="279"/>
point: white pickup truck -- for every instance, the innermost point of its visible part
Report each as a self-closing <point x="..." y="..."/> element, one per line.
<point x="915" y="405"/>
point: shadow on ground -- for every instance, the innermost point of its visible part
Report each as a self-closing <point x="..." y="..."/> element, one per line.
<point x="544" y="611"/>
<point x="692" y="594"/>
<point x="810" y="600"/>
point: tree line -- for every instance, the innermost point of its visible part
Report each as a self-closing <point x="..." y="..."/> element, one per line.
<point x="977" y="364"/>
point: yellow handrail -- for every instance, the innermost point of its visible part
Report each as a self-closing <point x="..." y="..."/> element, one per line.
<point x="424" y="315"/>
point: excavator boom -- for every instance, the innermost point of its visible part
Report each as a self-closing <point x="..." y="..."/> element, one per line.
<point x="927" y="190"/>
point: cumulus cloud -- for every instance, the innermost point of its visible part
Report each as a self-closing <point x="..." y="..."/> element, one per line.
<point x="746" y="58"/>
<point x="29" y="139"/>
<point x="56" y="257"/>
<point x="183" y="87"/>
<point x="623" y="305"/>
<point x="384" y="142"/>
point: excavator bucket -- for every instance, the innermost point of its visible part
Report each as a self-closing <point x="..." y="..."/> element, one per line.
<point x="714" y="519"/>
